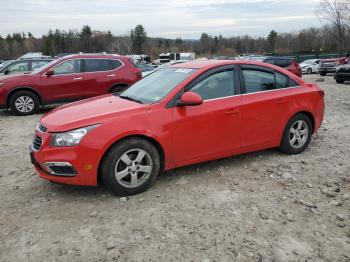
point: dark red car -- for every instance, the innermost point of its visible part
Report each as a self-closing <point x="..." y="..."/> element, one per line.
<point x="67" y="79"/>
<point x="179" y="115"/>
<point x="287" y="63"/>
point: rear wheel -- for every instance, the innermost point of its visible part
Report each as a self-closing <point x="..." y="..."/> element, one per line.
<point x="24" y="103"/>
<point x="131" y="166"/>
<point x="323" y="73"/>
<point x="340" y="81"/>
<point x="297" y="134"/>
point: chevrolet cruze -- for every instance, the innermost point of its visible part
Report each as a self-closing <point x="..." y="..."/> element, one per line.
<point x="180" y="115"/>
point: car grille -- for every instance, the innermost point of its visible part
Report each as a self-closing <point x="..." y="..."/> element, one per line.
<point x="37" y="143"/>
<point x="42" y="128"/>
<point x="329" y="64"/>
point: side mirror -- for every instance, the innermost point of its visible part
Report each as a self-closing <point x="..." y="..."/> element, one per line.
<point x="189" y="99"/>
<point x="49" y="73"/>
<point x="6" y="72"/>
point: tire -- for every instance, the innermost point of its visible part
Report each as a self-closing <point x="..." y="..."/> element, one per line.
<point x="295" y="143"/>
<point x="309" y="71"/>
<point x="122" y="159"/>
<point x="340" y="81"/>
<point x="323" y="73"/>
<point x="24" y="103"/>
<point x="118" y="89"/>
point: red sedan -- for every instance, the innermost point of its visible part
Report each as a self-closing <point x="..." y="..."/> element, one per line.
<point x="177" y="116"/>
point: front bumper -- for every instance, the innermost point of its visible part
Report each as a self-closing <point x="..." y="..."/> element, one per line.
<point x="81" y="163"/>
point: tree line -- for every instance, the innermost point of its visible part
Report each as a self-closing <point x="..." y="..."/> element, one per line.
<point x="333" y="36"/>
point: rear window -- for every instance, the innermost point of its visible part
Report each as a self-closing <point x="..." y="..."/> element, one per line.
<point x="283" y="62"/>
<point x="97" y="65"/>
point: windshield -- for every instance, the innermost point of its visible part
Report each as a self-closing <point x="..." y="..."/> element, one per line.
<point x="43" y="67"/>
<point x="156" y="86"/>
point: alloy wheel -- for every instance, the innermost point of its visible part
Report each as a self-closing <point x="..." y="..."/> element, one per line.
<point x="133" y="168"/>
<point x="298" y="134"/>
<point x="24" y="104"/>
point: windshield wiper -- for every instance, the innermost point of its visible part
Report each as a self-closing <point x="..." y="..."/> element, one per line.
<point x="131" y="98"/>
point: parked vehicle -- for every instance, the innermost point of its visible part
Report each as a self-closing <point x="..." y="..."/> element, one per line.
<point x="67" y="79"/>
<point x="156" y="68"/>
<point x="23" y="66"/>
<point x="203" y="111"/>
<point x="330" y="65"/>
<point x="285" y="62"/>
<point x="187" y="56"/>
<point x="146" y="68"/>
<point x="34" y="55"/>
<point x="342" y="73"/>
<point x="168" y="57"/>
<point x="5" y="63"/>
<point x="310" y="66"/>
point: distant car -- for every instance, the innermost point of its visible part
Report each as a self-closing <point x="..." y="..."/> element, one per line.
<point x="23" y="66"/>
<point x="330" y="65"/>
<point x="145" y="68"/>
<point x="163" y="66"/>
<point x="310" y="66"/>
<point x="67" y="79"/>
<point x="287" y="63"/>
<point x="342" y="73"/>
<point x="223" y="58"/>
<point x="180" y="115"/>
<point x="5" y="63"/>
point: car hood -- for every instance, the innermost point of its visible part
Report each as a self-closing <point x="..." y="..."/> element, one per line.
<point x="90" y="111"/>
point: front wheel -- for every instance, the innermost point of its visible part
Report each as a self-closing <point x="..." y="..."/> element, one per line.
<point x="323" y="73"/>
<point x="309" y="71"/>
<point x="131" y="166"/>
<point x="297" y="135"/>
<point x="340" y="81"/>
<point x="24" y="103"/>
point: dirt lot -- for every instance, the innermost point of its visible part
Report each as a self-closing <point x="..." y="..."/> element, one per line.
<point x="264" y="206"/>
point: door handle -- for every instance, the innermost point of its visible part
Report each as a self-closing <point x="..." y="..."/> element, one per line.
<point x="232" y="112"/>
<point x="77" y="78"/>
<point x="281" y="101"/>
<point x="111" y="75"/>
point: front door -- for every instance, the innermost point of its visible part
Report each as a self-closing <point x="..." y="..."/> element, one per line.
<point x="66" y="83"/>
<point x="212" y="128"/>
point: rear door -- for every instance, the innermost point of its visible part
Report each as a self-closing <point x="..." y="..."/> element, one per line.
<point x="100" y="75"/>
<point x="265" y="103"/>
<point x="66" y="83"/>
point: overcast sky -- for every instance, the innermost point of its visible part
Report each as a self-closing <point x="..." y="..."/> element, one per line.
<point x="163" y="18"/>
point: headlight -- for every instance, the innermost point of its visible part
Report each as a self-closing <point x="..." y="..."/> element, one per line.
<point x="70" y="138"/>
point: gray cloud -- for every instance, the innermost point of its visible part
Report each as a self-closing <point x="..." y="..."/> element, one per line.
<point x="171" y="18"/>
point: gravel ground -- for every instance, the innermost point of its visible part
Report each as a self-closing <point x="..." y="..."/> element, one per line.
<point x="263" y="206"/>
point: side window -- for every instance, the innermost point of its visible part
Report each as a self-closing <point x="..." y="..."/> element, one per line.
<point x="282" y="81"/>
<point x="19" y="67"/>
<point x="68" y="67"/>
<point x="97" y="65"/>
<point x="116" y="64"/>
<point x="218" y="85"/>
<point x="37" y="64"/>
<point x="257" y="81"/>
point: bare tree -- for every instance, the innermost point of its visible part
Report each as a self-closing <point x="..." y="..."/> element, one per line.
<point x="337" y="13"/>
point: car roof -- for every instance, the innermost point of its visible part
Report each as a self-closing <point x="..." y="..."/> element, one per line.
<point x="90" y="56"/>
